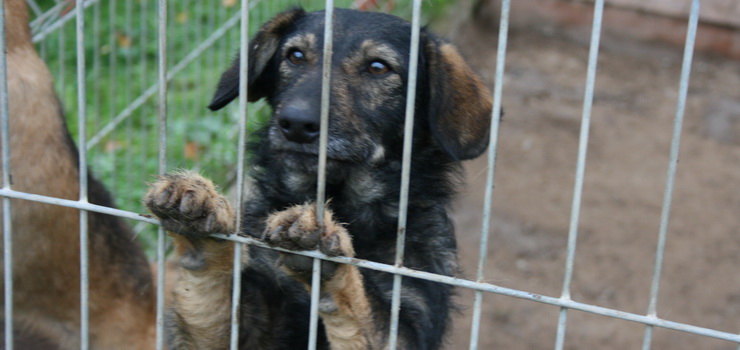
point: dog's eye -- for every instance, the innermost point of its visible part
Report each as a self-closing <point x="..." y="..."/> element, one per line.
<point x="296" y="56"/>
<point x="378" y="68"/>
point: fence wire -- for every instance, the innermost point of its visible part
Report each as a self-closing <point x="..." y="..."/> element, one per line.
<point x="82" y="139"/>
<point x="672" y="167"/>
<point x="207" y="47"/>
<point x="593" y="56"/>
<point x="7" y="218"/>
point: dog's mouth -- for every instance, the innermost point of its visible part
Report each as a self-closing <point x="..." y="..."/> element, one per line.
<point x="311" y="156"/>
<point x="337" y="150"/>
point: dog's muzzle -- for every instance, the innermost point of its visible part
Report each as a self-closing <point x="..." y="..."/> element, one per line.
<point x="298" y="122"/>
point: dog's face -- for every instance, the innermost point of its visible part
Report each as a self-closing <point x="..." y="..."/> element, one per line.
<point x="369" y="78"/>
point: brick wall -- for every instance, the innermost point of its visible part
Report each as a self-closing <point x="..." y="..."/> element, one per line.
<point x="721" y="12"/>
<point x="660" y="21"/>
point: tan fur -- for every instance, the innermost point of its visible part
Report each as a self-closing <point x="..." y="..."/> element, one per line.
<point x="203" y="297"/>
<point x="370" y="50"/>
<point x="271" y="41"/>
<point x="202" y="293"/>
<point x="344" y="306"/>
<point x="348" y="325"/>
<point x="307" y="44"/>
<point x="46" y="237"/>
<point x="373" y="49"/>
<point x="471" y="96"/>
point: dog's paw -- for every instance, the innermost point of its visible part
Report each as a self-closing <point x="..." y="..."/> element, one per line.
<point x="189" y="204"/>
<point x="297" y="228"/>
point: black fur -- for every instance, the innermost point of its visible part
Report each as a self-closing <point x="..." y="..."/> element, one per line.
<point x="363" y="185"/>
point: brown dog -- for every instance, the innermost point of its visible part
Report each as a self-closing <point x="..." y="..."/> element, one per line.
<point x="46" y="252"/>
<point x="365" y="138"/>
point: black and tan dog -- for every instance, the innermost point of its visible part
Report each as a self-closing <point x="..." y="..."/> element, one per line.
<point x="368" y="96"/>
<point x="46" y="248"/>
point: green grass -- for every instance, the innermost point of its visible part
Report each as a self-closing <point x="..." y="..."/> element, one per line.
<point x="121" y="63"/>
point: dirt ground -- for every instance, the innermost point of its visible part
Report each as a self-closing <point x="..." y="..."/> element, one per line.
<point x="632" y="122"/>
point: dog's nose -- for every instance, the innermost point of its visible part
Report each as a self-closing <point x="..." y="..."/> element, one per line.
<point x="298" y="124"/>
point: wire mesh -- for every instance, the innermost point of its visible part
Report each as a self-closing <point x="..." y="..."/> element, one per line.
<point x="126" y="80"/>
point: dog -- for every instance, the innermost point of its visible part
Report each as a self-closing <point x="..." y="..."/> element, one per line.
<point x="46" y="248"/>
<point x="363" y="174"/>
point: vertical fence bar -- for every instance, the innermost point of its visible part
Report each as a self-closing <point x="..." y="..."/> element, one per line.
<point x="672" y="166"/>
<point x="128" y="33"/>
<point x="580" y="168"/>
<point x="7" y="217"/>
<point x="82" y="128"/>
<point x="197" y="74"/>
<point x="325" y="96"/>
<point x="96" y="68"/>
<point x="162" y="115"/>
<point x="144" y="65"/>
<point x="243" y="112"/>
<point x="321" y="176"/>
<point x="405" y="172"/>
<point x="112" y="88"/>
<point x="62" y="59"/>
<point x="490" y="176"/>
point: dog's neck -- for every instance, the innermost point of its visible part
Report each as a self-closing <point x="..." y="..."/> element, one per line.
<point x="359" y="184"/>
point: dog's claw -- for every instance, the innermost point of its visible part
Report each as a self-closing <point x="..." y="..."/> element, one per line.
<point x="304" y="239"/>
<point x="273" y="235"/>
<point x="330" y="245"/>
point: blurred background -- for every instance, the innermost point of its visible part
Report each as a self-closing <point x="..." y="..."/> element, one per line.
<point x="636" y="92"/>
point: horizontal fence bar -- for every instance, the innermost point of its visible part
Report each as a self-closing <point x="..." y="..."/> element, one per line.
<point x="5" y="192"/>
<point x="479" y="286"/>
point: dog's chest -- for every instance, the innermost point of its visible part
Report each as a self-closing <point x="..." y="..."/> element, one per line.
<point x="362" y="199"/>
<point x="354" y="188"/>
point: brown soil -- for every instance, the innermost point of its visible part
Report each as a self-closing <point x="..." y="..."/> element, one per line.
<point x="632" y="122"/>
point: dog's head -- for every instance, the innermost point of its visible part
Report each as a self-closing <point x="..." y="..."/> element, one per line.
<point x="369" y="78"/>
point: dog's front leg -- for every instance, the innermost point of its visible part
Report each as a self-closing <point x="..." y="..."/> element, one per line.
<point x="344" y="307"/>
<point x="190" y="208"/>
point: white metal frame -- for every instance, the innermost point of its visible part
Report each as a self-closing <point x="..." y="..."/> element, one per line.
<point x="564" y="301"/>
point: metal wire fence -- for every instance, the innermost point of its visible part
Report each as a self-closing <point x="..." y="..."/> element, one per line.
<point x="114" y="101"/>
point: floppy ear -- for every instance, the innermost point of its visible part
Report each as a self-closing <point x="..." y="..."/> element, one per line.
<point x="261" y="49"/>
<point x="459" y="104"/>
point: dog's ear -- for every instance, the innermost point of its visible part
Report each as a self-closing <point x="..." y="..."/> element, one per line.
<point x="261" y="49"/>
<point x="459" y="104"/>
